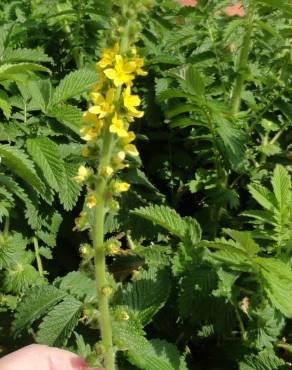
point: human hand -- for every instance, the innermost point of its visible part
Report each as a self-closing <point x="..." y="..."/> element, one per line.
<point x="41" y="357"/>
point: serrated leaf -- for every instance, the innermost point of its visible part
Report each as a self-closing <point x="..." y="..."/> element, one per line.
<point x="24" y="54"/>
<point x="277" y="283"/>
<point x="45" y="153"/>
<point x="21" y="276"/>
<point x="70" y="190"/>
<point x="170" y="220"/>
<point x="41" y="91"/>
<point x="19" y="163"/>
<point x="74" y="84"/>
<point x="146" y="295"/>
<point x="69" y="115"/>
<point x="263" y="196"/>
<point x="265" y="360"/>
<point x="58" y="325"/>
<point x="281" y="183"/>
<point x="7" y="71"/>
<point x="5" y="105"/>
<point x="148" y="355"/>
<point x="79" y="285"/>
<point x="35" y="303"/>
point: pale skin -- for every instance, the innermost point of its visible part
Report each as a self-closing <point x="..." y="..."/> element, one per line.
<point x="41" y="357"/>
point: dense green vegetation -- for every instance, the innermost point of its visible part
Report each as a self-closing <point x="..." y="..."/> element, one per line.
<point x="199" y="249"/>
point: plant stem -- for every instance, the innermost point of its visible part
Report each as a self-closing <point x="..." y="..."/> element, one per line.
<point x="100" y="262"/>
<point x="76" y="52"/>
<point x="6" y="226"/>
<point x="38" y="257"/>
<point x="243" y="60"/>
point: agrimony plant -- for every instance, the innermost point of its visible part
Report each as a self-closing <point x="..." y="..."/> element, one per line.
<point x="109" y="143"/>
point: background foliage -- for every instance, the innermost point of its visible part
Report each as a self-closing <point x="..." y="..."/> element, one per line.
<point x="203" y="278"/>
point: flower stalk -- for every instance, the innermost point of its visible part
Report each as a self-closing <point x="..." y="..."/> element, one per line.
<point x="109" y="143"/>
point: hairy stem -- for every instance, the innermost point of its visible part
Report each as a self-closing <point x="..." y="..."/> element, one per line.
<point x="37" y="256"/>
<point x="100" y="262"/>
<point x="243" y="60"/>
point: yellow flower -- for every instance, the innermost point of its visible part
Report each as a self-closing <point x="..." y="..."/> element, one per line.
<point x="91" y="201"/>
<point x="82" y="175"/>
<point x="131" y="149"/>
<point x="119" y="157"/>
<point x="85" y="152"/>
<point x="108" y="56"/>
<point x="120" y="187"/>
<point x="102" y="106"/>
<point x="106" y="171"/>
<point x="122" y="72"/>
<point x="131" y="102"/>
<point x="89" y="117"/>
<point x="90" y="133"/>
<point x="129" y="138"/>
<point x="139" y="64"/>
<point x="98" y="86"/>
<point x="117" y="127"/>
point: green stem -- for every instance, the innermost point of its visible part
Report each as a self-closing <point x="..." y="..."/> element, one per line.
<point x="100" y="262"/>
<point x="38" y="257"/>
<point x="243" y="60"/>
<point x="6" y="226"/>
<point x="76" y="53"/>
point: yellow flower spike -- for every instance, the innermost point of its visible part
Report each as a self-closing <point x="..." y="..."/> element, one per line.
<point x="131" y="102"/>
<point x="122" y="72"/>
<point x="91" y="201"/>
<point x="121" y="187"/>
<point x="117" y="127"/>
<point x="131" y="150"/>
<point x="106" y="171"/>
<point x="82" y="175"/>
<point x="102" y="106"/>
<point x="108" y="56"/>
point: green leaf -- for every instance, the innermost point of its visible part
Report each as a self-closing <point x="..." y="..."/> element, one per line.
<point x="45" y="153"/>
<point x="265" y="360"/>
<point x="74" y="84"/>
<point x="146" y="295"/>
<point x="79" y="285"/>
<point x="148" y="355"/>
<point x="35" y="303"/>
<point x="5" y="105"/>
<point x="170" y="220"/>
<point x="69" y="115"/>
<point x="263" y="196"/>
<point x="70" y="190"/>
<point x="10" y="71"/>
<point x="19" y="163"/>
<point x="22" y="55"/>
<point x="244" y="239"/>
<point x="58" y="325"/>
<point x="281" y="183"/>
<point x="21" y="276"/>
<point x="277" y="283"/>
<point x="265" y="326"/>
<point x="41" y="91"/>
<point x="283" y="5"/>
